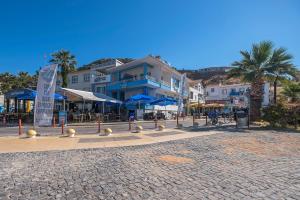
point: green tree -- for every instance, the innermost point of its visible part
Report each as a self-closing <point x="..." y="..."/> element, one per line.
<point x="7" y="82"/>
<point x="25" y="80"/>
<point x="66" y="62"/>
<point x="252" y="68"/>
<point x="280" y="68"/>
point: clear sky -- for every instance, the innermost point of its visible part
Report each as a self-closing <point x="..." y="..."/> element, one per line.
<point x="187" y="33"/>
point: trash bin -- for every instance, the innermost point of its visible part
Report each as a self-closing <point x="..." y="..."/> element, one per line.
<point x="242" y="119"/>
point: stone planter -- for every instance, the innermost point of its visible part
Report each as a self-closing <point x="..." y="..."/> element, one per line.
<point x="107" y="131"/>
<point x="31" y="133"/>
<point x="161" y="127"/>
<point x="71" y="132"/>
<point x="138" y="129"/>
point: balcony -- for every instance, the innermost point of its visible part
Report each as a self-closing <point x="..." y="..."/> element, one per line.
<point x="139" y="81"/>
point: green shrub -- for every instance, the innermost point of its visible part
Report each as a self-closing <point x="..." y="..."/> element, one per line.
<point x="275" y="115"/>
<point x="279" y="115"/>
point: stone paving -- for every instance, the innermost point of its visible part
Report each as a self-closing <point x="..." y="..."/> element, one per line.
<point x="229" y="165"/>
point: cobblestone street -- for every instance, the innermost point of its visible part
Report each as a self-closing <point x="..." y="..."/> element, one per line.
<point x="228" y="165"/>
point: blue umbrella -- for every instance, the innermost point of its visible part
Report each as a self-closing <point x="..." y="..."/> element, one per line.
<point x="139" y="97"/>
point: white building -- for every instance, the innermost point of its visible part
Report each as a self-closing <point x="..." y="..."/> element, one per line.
<point x="91" y="79"/>
<point x="196" y="92"/>
<point x="234" y="94"/>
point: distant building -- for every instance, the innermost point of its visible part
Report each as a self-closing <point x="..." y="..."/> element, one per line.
<point x="214" y="69"/>
<point x="150" y="76"/>
<point x="233" y="95"/>
<point x="196" y="92"/>
<point x="1" y="102"/>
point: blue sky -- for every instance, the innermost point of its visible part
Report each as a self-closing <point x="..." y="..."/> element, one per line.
<point x="187" y="33"/>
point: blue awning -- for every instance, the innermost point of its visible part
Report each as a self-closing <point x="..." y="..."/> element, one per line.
<point x="165" y="101"/>
<point x="28" y="94"/>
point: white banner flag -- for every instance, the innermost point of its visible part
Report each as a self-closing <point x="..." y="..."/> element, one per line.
<point x="44" y="100"/>
<point x="182" y="86"/>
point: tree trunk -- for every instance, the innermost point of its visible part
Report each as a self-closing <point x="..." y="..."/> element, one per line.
<point x="256" y="99"/>
<point x="275" y="92"/>
<point x="64" y="79"/>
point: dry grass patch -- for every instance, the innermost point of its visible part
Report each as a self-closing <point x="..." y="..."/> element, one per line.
<point x="174" y="159"/>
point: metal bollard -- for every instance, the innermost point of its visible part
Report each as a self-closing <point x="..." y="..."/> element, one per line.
<point x="129" y="123"/>
<point x="62" y="126"/>
<point x="193" y="119"/>
<point x="206" y="120"/>
<point x="155" y="122"/>
<point x="54" y="122"/>
<point x="4" y="120"/>
<point x="20" y="127"/>
<point x="177" y="119"/>
<point x="99" y="126"/>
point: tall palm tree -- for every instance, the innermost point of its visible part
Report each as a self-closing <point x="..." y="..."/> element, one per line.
<point x="280" y="68"/>
<point x="292" y="91"/>
<point x="252" y="68"/>
<point x="66" y="61"/>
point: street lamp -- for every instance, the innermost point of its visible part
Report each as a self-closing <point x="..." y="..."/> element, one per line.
<point x="248" y="94"/>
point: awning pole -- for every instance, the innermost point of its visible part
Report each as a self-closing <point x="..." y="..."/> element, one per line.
<point x="64" y="102"/>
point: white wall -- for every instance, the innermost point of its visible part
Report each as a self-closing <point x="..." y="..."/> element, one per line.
<point x="81" y="85"/>
<point x="2" y="100"/>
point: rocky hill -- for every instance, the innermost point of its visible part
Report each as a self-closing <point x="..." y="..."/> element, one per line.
<point x="211" y="75"/>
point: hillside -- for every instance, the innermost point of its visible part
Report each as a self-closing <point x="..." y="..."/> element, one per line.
<point x="211" y="76"/>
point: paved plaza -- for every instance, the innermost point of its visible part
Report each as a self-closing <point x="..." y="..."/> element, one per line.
<point x="256" y="164"/>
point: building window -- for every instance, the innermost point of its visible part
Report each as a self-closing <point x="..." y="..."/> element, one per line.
<point x="224" y="91"/>
<point x="87" y="89"/>
<point x="75" y="79"/>
<point x="86" y="77"/>
<point x="100" y="90"/>
<point x="191" y="95"/>
<point x="212" y="89"/>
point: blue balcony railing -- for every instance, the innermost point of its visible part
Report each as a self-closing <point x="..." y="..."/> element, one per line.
<point x="138" y="81"/>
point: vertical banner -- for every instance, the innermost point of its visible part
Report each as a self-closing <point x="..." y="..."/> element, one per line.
<point x="44" y="100"/>
<point x="181" y="92"/>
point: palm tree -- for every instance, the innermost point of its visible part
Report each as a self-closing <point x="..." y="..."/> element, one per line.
<point x="66" y="61"/>
<point x="280" y="68"/>
<point x="252" y="68"/>
<point x="292" y="91"/>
